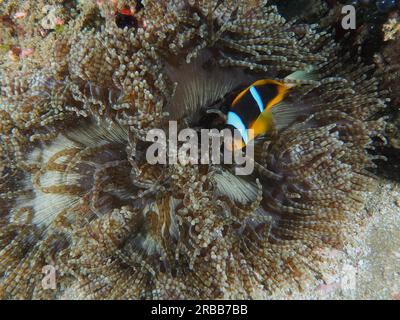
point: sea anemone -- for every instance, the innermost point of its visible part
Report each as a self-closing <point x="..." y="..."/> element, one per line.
<point x="76" y="191"/>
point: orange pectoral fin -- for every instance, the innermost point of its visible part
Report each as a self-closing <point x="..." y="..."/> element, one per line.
<point x="261" y="126"/>
<point x="235" y="144"/>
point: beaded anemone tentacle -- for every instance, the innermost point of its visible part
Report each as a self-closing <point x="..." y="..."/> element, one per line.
<point x="77" y="192"/>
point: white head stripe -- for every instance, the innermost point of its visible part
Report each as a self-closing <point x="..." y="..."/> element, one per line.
<point x="235" y="121"/>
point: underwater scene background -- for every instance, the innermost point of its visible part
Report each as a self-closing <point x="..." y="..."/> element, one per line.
<point x="82" y="83"/>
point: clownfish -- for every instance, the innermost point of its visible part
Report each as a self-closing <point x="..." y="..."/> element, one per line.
<point x="251" y="111"/>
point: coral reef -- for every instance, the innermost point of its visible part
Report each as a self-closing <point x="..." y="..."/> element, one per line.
<point x="77" y="192"/>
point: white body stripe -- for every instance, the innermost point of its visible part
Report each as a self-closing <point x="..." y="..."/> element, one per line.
<point x="257" y="97"/>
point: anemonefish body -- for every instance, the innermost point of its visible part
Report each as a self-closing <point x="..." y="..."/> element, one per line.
<point x="251" y="111"/>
